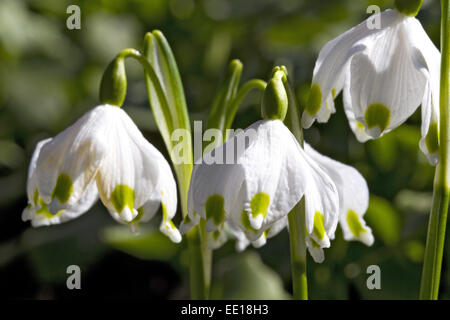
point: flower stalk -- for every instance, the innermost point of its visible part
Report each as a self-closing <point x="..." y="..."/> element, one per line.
<point x="431" y="272"/>
<point x="170" y="116"/>
<point x="296" y="218"/>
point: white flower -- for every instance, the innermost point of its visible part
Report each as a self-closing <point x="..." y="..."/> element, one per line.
<point x="269" y="175"/>
<point x="250" y="199"/>
<point x="385" y="75"/>
<point x="102" y="154"/>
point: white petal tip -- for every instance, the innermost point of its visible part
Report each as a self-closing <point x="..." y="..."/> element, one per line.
<point x="241" y="245"/>
<point x="256" y="222"/>
<point x="27" y="214"/>
<point x="367" y="238"/>
<point x="170" y="231"/>
<point x="307" y="120"/>
<point x="127" y="215"/>
<point x="317" y="254"/>
<point x="261" y="241"/>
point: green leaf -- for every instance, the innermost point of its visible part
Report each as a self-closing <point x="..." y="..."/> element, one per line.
<point x="224" y="97"/>
<point x="173" y="114"/>
<point x="245" y="276"/>
<point x="50" y="261"/>
<point x="384" y="220"/>
<point x="149" y="244"/>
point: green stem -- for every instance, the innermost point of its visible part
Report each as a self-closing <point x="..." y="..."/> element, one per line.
<point x="200" y="262"/>
<point x="199" y="254"/>
<point x="255" y="84"/>
<point x="296" y="218"/>
<point x="431" y="272"/>
<point x="297" y="227"/>
<point x="150" y="71"/>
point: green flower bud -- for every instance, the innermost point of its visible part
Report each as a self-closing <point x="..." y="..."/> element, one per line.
<point x="408" y="7"/>
<point x="275" y="101"/>
<point x="113" y="87"/>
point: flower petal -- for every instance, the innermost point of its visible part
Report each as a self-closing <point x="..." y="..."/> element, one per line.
<point x="357" y="127"/>
<point x="213" y="188"/>
<point x="353" y="196"/>
<point x="40" y="215"/>
<point x="272" y="164"/>
<point x="37" y="210"/>
<point x="429" y="143"/>
<point x="135" y="177"/>
<point x="321" y="204"/>
<point x="427" y="59"/>
<point x="68" y="163"/>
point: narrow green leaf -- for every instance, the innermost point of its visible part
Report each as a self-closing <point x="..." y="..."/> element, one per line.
<point x="158" y="52"/>
<point x="224" y="97"/>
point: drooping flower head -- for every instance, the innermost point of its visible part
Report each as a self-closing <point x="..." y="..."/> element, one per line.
<point x="103" y="155"/>
<point x="270" y="172"/>
<point x="385" y="74"/>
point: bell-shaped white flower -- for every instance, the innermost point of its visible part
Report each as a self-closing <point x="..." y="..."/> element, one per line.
<point x="102" y="154"/>
<point x="385" y="74"/>
<point x="268" y="175"/>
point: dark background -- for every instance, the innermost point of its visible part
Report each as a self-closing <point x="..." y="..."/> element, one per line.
<point x="50" y="75"/>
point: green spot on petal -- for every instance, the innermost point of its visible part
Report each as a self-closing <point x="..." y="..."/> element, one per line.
<point x="333" y="93"/>
<point x="377" y="115"/>
<point x="259" y="204"/>
<point x="36" y="197"/>
<point x="315" y="98"/>
<point x="432" y="138"/>
<point x="214" y="208"/>
<point x="314" y="244"/>
<point x="359" y="125"/>
<point x="63" y="188"/>
<point x="122" y="196"/>
<point x="216" y="235"/>
<point x="354" y="224"/>
<point x="319" y="229"/>
<point x="246" y="222"/>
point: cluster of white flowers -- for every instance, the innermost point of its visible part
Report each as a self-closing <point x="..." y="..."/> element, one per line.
<point x="270" y="176"/>
<point x="385" y="74"/>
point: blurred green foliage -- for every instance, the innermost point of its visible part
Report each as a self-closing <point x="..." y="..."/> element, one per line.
<point x="50" y="75"/>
